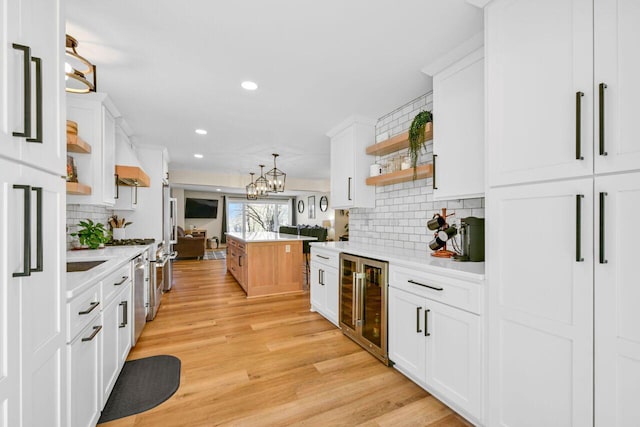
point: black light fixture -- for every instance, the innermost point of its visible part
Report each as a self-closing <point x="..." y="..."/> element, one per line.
<point x="78" y="69"/>
<point x="262" y="185"/>
<point x="252" y="193"/>
<point x="276" y="177"/>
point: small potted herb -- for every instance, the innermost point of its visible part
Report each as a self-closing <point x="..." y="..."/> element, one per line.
<point x="417" y="137"/>
<point x="93" y="235"/>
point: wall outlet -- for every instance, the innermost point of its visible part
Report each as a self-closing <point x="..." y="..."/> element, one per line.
<point x="287" y="248"/>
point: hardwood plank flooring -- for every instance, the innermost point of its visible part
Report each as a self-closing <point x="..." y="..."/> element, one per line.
<point x="269" y="362"/>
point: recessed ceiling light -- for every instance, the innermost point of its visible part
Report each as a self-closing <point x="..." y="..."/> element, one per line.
<point x="219" y="189"/>
<point x="249" y="85"/>
<point x="198" y="156"/>
<point x="201" y="131"/>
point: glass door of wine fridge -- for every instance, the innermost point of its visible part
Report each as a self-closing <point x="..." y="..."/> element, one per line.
<point x="363" y="303"/>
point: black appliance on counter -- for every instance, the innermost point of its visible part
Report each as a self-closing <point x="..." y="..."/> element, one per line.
<point x="471" y="240"/>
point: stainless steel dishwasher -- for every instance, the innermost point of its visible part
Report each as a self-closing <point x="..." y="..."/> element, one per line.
<point x="140" y="280"/>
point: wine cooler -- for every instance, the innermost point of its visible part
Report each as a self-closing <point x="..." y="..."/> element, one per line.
<point x="363" y="303"/>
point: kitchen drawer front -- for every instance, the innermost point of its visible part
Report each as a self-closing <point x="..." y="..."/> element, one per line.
<point x="82" y="310"/>
<point x="114" y="282"/>
<point x="325" y="257"/>
<point x="454" y="292"/>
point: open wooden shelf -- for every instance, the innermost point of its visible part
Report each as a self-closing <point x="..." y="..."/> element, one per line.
<point x="398" y="142"/>
<point x="75" y="144"/>
<point x="132" y="176"/>
<point x="423" y="171"/>
<point x="78" y="189"/>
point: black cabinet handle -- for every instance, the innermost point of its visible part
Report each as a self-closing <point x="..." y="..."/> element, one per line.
<point x="601" y="88"/>
<point x="125" y="313"/>
<point x="39" y="248"/>
<point x="117" y="187"/>
<point x="124" y="279"/>
<point x="602" y="235"/>
<point x="433" y="180"/>
<point x="426" y="323"/>
<point x="435" y="288"/>
<point x="240" y="261"/>
<point x="418" y="330"/>
<point x="92" y="307"/>
<point x="579" y="198"/>
<point x="349" y="189"/>
<point x="38" y="137"/>
<point x="579" y="96"/>
<point x="27" y="89"/>
<point x="319" y="277"/>
<point x="323" y="257"/>
<point x="26" y="251"/>
<point x="96" y="329"/>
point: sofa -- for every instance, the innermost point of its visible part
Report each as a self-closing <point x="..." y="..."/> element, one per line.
<point x="189" y="246"/>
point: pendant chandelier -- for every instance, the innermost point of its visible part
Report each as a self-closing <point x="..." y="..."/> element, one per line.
<point x="262" y="185"/>
<point x="276" y="178"/>
<point x="252" y="192"/>
<point x="78" y="70"/>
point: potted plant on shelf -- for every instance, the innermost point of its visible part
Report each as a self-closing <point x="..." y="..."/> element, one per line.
<point x="417" y="137"/>
<point x="92" y="235"/>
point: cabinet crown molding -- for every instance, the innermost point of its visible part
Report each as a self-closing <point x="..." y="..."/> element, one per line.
<point x="352" y="120"/>
<point x="474" y="43"/>
<point x="479" y="3"/>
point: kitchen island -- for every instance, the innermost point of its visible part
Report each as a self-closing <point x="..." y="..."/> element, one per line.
<point x="266" y="263"/>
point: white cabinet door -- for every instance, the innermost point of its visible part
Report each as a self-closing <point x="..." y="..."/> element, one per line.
<point x="617" y="296"/>
<point x="10" y="209"/>
<point x="109" y="361"/>
<point x="108" y="157"/>
<point x="38" y="27"/>
<point x="330" y="282"/>
<point x="342" y="169"/>
<point x="42" y="302"/>
<point x="539" y="57"/>
<point x="407" y="345"/>
<point x="458" y="133"/>
<point x="350" y="164"/>
<point x="125" y="307"/>
<point x="454" y="357"/>
<point x="540" y="304"/>
<point x="84" y="377"/>
<point x="617" y="66"/>
<point x="318" y="291"/>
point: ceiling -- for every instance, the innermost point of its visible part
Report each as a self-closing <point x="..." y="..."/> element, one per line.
<point x="171" y="67"/>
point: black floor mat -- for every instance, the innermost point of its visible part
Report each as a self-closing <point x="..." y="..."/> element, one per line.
<point x="143" y="384"/>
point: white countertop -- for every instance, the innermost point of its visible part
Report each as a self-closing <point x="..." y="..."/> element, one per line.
<point x="266" y="236"/>
<point x="409" y="258"/>
<point x="115" y="257"/>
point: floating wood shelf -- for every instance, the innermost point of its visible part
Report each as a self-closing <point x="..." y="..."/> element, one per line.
<point x="78" y="189"/>
<point x="398" y="142"/>
<point x="75" y="144"/>
<point x="423" y="171"/>
<point x="132" y="176"/>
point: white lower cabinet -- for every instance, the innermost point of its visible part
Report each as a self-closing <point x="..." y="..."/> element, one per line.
<point x="324" y="284"/>
<point x="110" y="352"/>
<point x="125" y="330"/>
<point x="84" y="376"/>
<point x="438" y="347"/>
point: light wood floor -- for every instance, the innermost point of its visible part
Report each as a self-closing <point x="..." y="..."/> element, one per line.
<point x="269" y="362"/>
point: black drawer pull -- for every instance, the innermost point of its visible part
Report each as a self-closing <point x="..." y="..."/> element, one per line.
<point x="323" y="257"/>
<point x="124" y="279"/>
<point x="418" y="330"/>
<point x="26" y="50"/>
<point x="426" y="323"/>
<point x="38" y="137"/>
<point x="601" y="89"/>
<point x="579" y="198"/>
<point x="91" y="308"/>
<point x="435" y="288"/>
<point x="26" y="252"/>
<point x="96" y="329"/>
<point x="579" y="96"/>
<point x="603" y="259"/>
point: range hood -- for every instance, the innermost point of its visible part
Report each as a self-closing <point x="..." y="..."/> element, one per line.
<point x="128" y="169"/>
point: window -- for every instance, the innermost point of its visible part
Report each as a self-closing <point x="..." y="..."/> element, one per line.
<point x="255" y="215"/>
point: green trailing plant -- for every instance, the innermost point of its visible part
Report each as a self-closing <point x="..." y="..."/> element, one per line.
<point x="417" y="137"/>
<point x="92" y="234"/>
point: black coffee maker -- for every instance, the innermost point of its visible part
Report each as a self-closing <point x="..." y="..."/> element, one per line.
<point x="471" y="239"/>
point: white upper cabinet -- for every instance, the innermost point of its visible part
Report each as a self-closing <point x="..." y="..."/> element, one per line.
<point x="458" y="131"/>
<point x="31" y="77"/>
<point x="95" y="115"/>
<point x="350" y="164"/>
<point x="616" y="85"/>
<point x="539" y="61"/>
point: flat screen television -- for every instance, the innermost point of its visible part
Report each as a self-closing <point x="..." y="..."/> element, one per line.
<point x="200" y="208"/>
